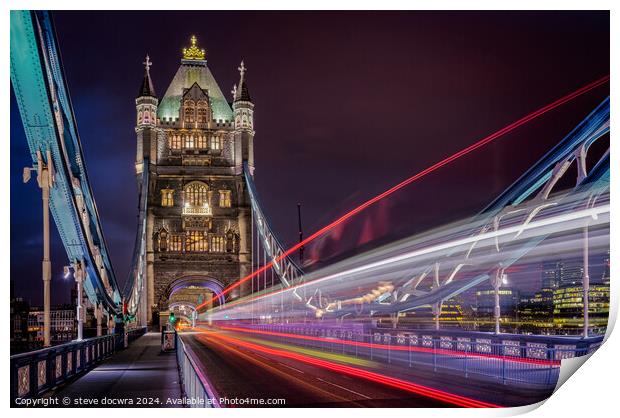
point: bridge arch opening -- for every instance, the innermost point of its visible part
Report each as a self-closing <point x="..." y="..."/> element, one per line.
<point x="192" y="290"/>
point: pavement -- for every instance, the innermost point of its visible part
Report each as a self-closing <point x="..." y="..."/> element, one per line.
<point x="139" y="376"/>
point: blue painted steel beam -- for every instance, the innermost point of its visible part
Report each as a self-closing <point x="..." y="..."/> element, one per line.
<point x="49" y="124"/>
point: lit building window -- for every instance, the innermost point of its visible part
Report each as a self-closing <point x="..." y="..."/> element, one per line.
<point x="196" y="241"/>
<point x="215" y="143"/>
<point x="189" y="141"/>
<point x="196" y="194"/>
<point x="176" y="243"/>
<point x="189" y="111"/>
<point x="217" y="244"/>
<point x="201" y="141"/>
<point x="202" y="112"/>
<point x="167" y="197"/>
<point x="174" y="141"/>
<point x="224" y="198"/>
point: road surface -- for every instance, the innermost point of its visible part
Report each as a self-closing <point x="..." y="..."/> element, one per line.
<point x="238" y="372"/>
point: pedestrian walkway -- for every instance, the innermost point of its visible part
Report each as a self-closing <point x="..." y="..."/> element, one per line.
<point x="140" y="376"/>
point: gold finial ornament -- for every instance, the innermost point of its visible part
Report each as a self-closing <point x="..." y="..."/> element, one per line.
<point x="193" y="52"/>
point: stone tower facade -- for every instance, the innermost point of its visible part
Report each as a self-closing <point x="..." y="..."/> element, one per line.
<point x="195" y="144"/>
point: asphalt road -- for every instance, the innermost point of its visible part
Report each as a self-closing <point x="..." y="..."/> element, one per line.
<point x="238" y="373"/>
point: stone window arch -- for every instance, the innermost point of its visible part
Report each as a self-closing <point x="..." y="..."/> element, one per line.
<point x="202" y="112"/>
<point x="189" y="111"/>
<point x="196" y="194"/>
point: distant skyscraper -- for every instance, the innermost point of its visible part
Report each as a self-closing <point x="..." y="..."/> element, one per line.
<point x="560" y="273"/>
<point x="571" y="272"/>
<point x="605" y="278"/>
<point x="551" y="272"/>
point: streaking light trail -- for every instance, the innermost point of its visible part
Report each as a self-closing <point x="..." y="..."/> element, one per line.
<point x="412" y="179"/>
<point x="440" y="395"/>
<point x="564" y="218"/>
<point x="392" y="347"/>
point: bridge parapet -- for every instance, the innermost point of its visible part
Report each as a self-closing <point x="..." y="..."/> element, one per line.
<point x="539" y="347"/>
<point x="193" y="382"/>
<point x="36" y="372"/>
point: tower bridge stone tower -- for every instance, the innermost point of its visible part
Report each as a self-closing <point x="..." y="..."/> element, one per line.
<point x="199" y="215"/>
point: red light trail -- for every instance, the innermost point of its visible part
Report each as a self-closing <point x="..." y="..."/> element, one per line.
<point x="436" y="166"/>
<point x="365" y="374"/>
<point x="441" y="351"/>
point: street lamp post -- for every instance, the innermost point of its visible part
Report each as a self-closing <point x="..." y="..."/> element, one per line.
<point x="586" y="283"/>
<point x="79" y="274"/>
<point x="45" y="180"/>
<point x="99" y="314"/>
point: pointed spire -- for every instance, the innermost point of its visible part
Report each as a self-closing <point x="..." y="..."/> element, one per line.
<point x="242" y="92"/>
<point x="147" y="88"/>
<point x="234" y="92"/>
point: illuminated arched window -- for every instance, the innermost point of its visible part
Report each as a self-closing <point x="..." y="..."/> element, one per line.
<point x="196" y="194"/>
<point x="189" y="111"/>
<point x="196" y="241"/>
<point x="201" y="141"/>
<point x="167" y="197"/>
<point x="174" y="141"/>
<point x="189" y="141"/>
<point x="202" y="112"/>
<point x="224" y="198"/>
<point x="217" y="244"/>
<point x="176" y="243"/>
<point x="216" y="144"/>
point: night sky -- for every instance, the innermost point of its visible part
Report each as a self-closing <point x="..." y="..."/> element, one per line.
<point x="347" y="104"/>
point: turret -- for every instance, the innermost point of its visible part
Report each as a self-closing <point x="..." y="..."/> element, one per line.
<point x="146" y="120"/>
<point x="243" y="110"/>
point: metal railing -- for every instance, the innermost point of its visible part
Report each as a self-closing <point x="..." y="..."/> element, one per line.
<point x="194" y="384"/>
<point x="509" y="360"/>
<point x="123" y="340"/>
<point x="36" y="372"/>
<point x="197" y="210"/>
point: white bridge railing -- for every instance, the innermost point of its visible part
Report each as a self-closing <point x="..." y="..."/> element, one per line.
<point x="194" y="383"/>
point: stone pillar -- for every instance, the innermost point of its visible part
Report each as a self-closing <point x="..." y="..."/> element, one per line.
<point x="245" y="254"/>
<point x="150" y="274"/>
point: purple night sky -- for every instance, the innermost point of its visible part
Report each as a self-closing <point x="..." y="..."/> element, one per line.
<point x="347" y="104"/>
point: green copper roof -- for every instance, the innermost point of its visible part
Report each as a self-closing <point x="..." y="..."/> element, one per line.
<point x="191" y="72"/>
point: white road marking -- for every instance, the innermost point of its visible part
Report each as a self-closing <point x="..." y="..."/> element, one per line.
<point x="347" y="389"/>
<point x="292" y="368"/>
